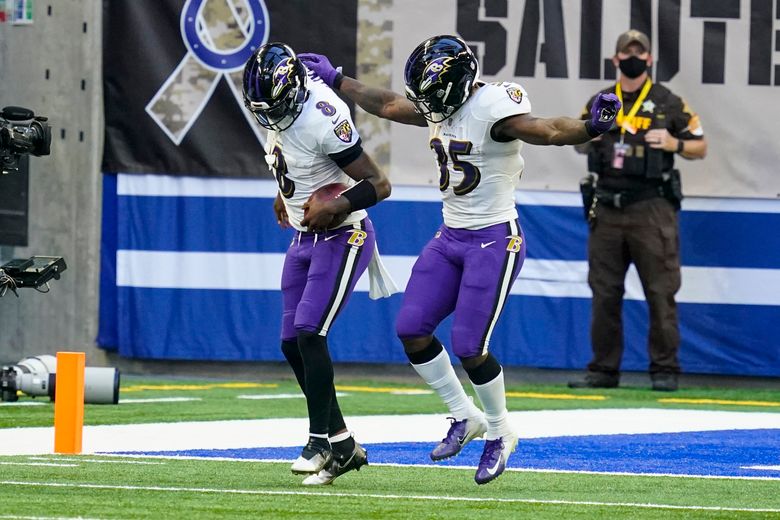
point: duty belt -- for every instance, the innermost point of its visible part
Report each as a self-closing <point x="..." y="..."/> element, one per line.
<point x="621" y="199"/>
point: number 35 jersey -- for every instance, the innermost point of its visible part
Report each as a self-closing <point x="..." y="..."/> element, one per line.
<point x="312" y="152"/>
<point x="477" y="174"/>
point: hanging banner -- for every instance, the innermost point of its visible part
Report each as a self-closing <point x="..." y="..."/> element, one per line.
<point x="191" y="264"/>
<point x="718" y="55"/>
<point x="172" y="79"/>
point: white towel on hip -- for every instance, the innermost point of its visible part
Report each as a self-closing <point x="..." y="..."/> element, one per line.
<point x="380" y="283"/>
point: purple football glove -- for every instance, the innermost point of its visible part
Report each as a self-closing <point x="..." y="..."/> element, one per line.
<point x="321" y="66"/>
<point x="603" y="113"/>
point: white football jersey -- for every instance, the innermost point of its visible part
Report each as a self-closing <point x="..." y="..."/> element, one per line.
<point x="477" y="175"/>
<point x="299" y="156"/>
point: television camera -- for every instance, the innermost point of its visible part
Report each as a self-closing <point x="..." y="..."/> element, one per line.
<point x="37" y="376"/>
<point x="32" y="272"/>
<point x="22" y="132"/>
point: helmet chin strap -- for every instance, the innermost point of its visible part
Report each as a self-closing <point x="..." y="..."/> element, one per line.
<point x="467" y="90"/>
<point x="447" y="91"/>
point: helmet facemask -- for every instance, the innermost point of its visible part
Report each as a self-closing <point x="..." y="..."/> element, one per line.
<point x="274" y="86"/>
<point x="435" y="106"/>
<point x="282" y="114"/>
<point x="439" y="75"/>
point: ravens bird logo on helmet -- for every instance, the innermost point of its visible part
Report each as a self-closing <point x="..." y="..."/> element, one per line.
<point x="274" y="86"/>
<point x="439" y="75"/>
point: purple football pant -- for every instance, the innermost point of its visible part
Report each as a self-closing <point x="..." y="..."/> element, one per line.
<point x="320" y="272"/>
<point x="466" y="271"/>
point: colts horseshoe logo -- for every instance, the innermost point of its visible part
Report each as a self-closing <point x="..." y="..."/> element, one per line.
<point x="219" y="36"/>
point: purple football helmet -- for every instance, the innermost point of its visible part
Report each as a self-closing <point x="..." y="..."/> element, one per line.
<point x="274" y="86"/>
<point x="439" y="75"/>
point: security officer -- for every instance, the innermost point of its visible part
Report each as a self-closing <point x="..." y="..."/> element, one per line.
<point x="631" y="201"/>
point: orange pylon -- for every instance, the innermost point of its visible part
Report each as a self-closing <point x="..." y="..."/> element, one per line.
<point x="69" y="402"/>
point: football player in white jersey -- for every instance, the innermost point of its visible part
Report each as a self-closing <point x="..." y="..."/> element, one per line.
<point x="311" y="143"/>
<point x="476" y="132"/>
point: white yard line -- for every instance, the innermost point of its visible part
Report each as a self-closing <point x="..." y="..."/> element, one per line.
<point x="159" y="400"/>
<point x="470" y="468"/>
<point x="22" y="403"/>
<point x="370" y="429"/>
<point x="99" y="461"/>
<point x="278" y="396"/>
<point x="18" y="517"/>
<point x="39" y="464"/>
<point x="437" y="498"/>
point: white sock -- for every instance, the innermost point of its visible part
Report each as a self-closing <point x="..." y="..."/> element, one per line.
<point x="340" y="437"/>
<point x="440" y="376"/>
<point x="493" y="398"/>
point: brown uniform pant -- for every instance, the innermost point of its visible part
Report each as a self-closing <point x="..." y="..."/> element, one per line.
<point x="645" y="234"/>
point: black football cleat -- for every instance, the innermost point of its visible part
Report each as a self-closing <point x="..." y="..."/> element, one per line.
<point x="339" y="465"/>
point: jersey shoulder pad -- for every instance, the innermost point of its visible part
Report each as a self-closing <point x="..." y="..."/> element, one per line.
<point x="500" y="100"/>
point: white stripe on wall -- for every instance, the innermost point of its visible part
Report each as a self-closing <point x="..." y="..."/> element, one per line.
<point x="552" y="278"/>
<point x="169" y="186"/>
<point x="184" y="270"/>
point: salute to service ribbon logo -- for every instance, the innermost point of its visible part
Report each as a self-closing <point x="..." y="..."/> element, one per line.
<point x="220" y="36"/>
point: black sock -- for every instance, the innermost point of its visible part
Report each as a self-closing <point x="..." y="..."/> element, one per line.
<point x="293" y="354"/>
<point x="484" y="373"/>
<point x="336" y="422"/>
<point x="345" y="447"/>
<point x="427" y="354"/>
<point x="318" y="370"/>
<point x="319" y="442"/>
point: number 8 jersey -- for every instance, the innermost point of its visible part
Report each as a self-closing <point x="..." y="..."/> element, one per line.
<point x="477" y="174"/>
<point x="312" y="152"/>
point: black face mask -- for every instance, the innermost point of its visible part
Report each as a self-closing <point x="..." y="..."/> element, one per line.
<point x="633" y="67"/>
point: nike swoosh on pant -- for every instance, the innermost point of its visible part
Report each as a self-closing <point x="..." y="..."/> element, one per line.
<point x="483" y="245"/>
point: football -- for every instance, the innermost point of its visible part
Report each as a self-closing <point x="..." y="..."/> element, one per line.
<point x="329" y="191"/>
<point x="326" y="193"/>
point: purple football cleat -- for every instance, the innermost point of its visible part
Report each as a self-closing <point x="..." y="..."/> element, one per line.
<point x="494" y="457"/>
<point x="459" y="434"/>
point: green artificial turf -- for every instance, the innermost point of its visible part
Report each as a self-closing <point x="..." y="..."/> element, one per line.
<point x="241" y="489"/>
<point x="223" y="403"/>
<point x="211" y="489"/>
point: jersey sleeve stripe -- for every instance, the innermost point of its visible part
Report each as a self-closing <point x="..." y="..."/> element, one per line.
<point x="345" y="157"/>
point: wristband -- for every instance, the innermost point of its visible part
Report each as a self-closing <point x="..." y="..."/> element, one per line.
<point x="361" y="196"/>
<point x="337" y="80"/>
<point x="680" y="146"/>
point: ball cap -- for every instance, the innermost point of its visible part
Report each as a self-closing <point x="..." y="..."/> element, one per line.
<point x="632" y="36"/>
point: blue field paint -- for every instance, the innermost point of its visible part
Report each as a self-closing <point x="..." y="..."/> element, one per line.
<point x="716" y="453"/>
